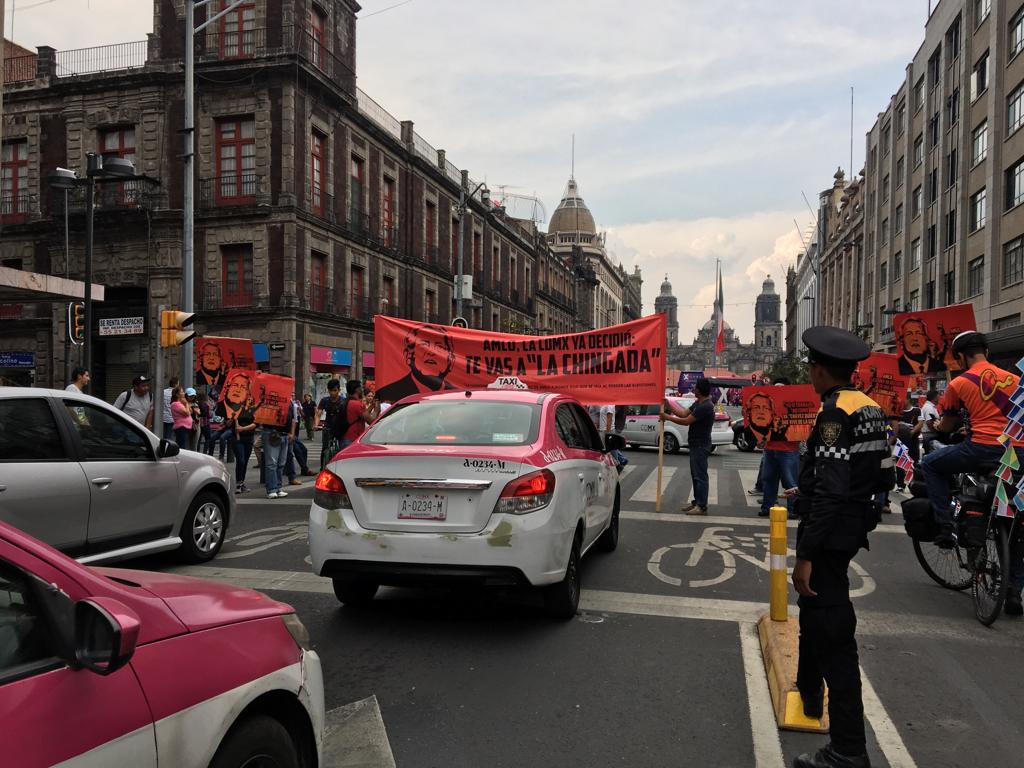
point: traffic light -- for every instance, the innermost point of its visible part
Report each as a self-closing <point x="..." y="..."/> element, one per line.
<point x="76" y="322"/>
<point x="175" y="327"/>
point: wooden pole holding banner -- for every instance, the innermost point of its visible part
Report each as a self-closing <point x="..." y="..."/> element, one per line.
<point x="661" y="455"/>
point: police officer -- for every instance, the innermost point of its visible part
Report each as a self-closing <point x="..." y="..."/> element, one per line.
<point x="847" y="462"/>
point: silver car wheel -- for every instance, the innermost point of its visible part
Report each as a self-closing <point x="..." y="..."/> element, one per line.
<point x="208" y="527"/>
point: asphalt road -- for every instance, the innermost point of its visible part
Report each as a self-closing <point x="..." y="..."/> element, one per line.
<point x="661" y="666"/>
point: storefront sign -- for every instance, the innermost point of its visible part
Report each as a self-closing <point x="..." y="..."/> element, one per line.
<point x="17" y="360"/>
<point x="330" y="356"/>
<point x="619" y="365"/>
<point x="369" y="360"/>
<point x="122" y="326"/>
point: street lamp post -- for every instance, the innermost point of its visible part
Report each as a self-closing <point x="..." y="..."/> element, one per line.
<point x="463" y="208"/>
<point x="97" y="167"/>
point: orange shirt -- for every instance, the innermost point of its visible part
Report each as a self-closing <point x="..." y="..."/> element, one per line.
<point x="985" y="392"/>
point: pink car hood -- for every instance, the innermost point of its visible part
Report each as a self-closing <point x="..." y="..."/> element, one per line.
<point x="200" y="604"/>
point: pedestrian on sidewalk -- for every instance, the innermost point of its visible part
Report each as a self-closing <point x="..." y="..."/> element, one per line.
<point x="700" y="418"/>
<point x="847" y="462"/>
<point x="79" y="380"/>
<point x="357" y="414"/>
<point x="308" y="415"/>
<point x="137" y="402"/>
<point x="168" y="425"/>
<point x="181" y="417"/>
<point x="296" y="449"/>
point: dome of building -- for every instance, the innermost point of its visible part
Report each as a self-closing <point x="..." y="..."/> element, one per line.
<point x="768" y="286"/>
<point x="710" y="325"/>
<point x="572" y="214"/>
<point x="666" y="287"/>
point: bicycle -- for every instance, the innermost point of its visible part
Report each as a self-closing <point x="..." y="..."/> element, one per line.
<point x="980" y="560"/>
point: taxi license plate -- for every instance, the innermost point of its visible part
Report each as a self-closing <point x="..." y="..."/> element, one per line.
<point x="423" y="506"/>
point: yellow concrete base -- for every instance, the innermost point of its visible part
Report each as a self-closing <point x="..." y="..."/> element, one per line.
<point x="780" y="642"/>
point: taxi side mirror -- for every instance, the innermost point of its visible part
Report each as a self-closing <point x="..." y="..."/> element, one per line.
<point x="613" y="443"/>
<point x="106" y="633"/>
<point x="167" y="449"/>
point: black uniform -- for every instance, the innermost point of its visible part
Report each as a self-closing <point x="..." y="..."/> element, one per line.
<point x="847" y="462"/>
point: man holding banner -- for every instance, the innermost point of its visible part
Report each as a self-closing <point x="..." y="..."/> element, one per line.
<point x="700" y="419"/>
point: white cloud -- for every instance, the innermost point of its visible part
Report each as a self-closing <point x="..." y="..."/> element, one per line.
<point x="750" y="248"/>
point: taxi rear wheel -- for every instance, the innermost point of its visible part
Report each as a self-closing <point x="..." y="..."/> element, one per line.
<point x="257" y="741"/>
<point x="354" y="591"/>
<point x="561" y="600"/>
<point x="671" y="443"/>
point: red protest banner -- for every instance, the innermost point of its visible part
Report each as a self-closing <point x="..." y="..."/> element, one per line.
<point x="216" y="355"/>
<point x="272" y="395"/>
<point x="923" y="339"/>
<point x="263" y="395"/>
<point x="619" y="365"/>
<point x="879" y="378"/>
<point x="781" y="413"/>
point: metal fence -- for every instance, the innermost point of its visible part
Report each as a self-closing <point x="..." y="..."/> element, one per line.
<point x="104" y="58"/>
<point x="233" y="190"/>
<point x="452" y="172"/>
<point x="20" y="69"/>
<point x="378" y="114"/>
<point x="424" y="149"/>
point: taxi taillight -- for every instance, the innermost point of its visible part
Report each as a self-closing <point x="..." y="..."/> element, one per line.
<point x="330" y="492"/>
<point x="527" y="493"/>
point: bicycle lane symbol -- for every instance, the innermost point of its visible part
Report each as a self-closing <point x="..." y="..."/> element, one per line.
<point x="250" y="543"/>
<point x="719" y="541"/>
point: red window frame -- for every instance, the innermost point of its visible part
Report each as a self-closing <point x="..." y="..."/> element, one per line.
<point x="318" y="281"/>
<point x="317" y="158"/>
<point x="122" y="146"/>
<point x="14" y="184"/>
<point x="237" y="31"/>
<point x="430" y="228"/>
<point x="478" y="241"/>
<point x="388" y="294"/>
<point x="317" y="26"/>
<point x="356" y="290"/>
<point x="236" y="274"/>
<point x="356" y="185"/>
<point x="238" y="184"/>
<point x="388" y="212"/>
<point x="431" y="307"/>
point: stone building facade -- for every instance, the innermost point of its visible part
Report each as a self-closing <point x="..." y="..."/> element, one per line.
<point x="315" y="208"/>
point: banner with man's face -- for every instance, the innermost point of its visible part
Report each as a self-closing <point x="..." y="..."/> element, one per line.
<point x="780" y="413"/>
<point x="924" y="339"/>
<point x="217" y="355"/>
<point x="619" y="365"/>
<point x="265" y="395"/>
<point x="879" y="378"/>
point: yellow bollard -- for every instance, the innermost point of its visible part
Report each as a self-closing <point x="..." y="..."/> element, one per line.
<point x="777" y="547"/>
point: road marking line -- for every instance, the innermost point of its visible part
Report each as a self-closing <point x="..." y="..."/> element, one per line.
<point x="763" y="728"/>
<point x="712" y="487"/>
<point x="748" y="478"/>
<point x="355" y="737"/>
<point x="648" y="490"/>
<point x="889" y="740"/>
<point x="626" y="472"/>
<point x="762" y="522"/>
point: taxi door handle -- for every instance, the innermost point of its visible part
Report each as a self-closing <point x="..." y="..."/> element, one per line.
<point x="102" y="482"/>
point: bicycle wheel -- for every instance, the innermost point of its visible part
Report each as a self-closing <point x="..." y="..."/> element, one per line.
<point x="947" y="567"/>
<point x="991" y="575"/>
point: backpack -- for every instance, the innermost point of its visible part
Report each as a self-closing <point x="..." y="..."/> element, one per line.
<point x="338" y="423"/>
<point x="127" y="394"/>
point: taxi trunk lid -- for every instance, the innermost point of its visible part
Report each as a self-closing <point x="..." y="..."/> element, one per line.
<point x="427" y="491"/>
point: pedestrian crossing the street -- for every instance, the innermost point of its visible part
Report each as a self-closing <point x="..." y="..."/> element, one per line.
<point x="727" y="486"/>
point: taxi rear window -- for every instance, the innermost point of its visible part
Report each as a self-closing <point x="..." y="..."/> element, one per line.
<point x="457" y="422"/>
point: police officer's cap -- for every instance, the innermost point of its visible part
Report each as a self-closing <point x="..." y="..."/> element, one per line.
<point x="834" y="346"/>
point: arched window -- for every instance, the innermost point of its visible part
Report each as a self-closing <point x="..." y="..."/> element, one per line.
<point x="768" y="340"/>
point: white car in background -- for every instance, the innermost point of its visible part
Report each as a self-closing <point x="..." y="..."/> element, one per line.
<point x="642" y="427"/>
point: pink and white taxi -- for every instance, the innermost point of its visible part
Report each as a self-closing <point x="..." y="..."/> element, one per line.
<point x="109" y="667"/>
<point x="497" y="487"/>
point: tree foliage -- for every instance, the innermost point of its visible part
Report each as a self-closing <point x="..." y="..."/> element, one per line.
<point x="789" y="367"/>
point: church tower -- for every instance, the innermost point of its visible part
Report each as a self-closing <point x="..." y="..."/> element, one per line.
<point x="666" y="304"/>
<point x="768" y="320"/>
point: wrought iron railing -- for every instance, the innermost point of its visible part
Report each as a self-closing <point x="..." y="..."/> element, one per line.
<point x="233" y="190"/>
<point x="103" y="58"/>
<point x="16" y="207"/>
<point x="20" y="69"/>
<point x="377" y="114"/>
<point x="358" y="223"/>
<point x="320" y="203"/>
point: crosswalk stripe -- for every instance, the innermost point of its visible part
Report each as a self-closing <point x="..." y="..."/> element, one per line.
<point x="748" y="478"/>
<point x="712" y="487"/>
<point x="626" y="472"/>
<point x="648" y="490"/>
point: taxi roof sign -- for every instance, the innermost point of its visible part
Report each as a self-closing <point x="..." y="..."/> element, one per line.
<point x="507" y="382"/>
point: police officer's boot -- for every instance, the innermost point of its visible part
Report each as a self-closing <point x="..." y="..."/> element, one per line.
<point x="1013" y="606"/>
<point x="827" y="757"/>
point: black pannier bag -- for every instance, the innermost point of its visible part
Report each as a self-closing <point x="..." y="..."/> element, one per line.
<point x="918" y="520"/>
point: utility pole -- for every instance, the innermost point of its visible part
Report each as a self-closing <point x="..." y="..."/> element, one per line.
<point x="188" y="227"/>
<point x="463" y="208"/>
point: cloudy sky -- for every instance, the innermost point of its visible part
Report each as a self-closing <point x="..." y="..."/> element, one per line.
<point x="698" y="123"/>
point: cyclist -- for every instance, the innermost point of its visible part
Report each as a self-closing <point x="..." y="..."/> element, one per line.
<point x="983" y="390"/>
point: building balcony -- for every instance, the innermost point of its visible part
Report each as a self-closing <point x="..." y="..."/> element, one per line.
<point x="18" y="208"/>
<point x="320" y="204"/>
<point x="358" y="224"/>
<point x="247" y="189"/>
<point x="121" y="196"/>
